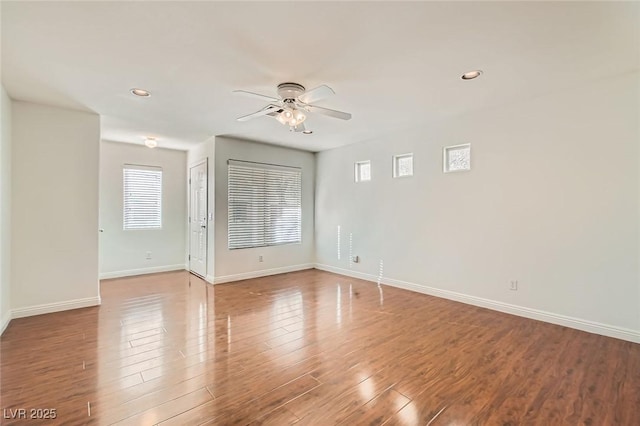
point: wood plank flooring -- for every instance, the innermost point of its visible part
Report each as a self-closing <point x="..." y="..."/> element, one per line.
<point x="311" y="348"/>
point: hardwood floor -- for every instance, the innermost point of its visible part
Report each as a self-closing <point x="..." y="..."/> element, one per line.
<point x="311" y="348"/>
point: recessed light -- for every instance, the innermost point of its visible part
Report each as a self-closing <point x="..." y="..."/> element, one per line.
<point x="151" y="142"/>
<point x="307" y="132"/>
<point x="141" y="92"/>
<point x="471" y="75"/>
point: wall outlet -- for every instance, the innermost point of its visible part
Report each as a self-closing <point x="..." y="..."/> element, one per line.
<point x="148" y="255"/>
<point x="260" y="259"/>
<point x="513" y="285"/>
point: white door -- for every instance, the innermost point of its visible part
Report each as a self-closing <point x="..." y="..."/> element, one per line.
<point x="198" y="219"/>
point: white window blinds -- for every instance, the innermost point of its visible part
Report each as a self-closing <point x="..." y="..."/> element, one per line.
<point x="142" y="197"/>
<point x="264" y="204"/>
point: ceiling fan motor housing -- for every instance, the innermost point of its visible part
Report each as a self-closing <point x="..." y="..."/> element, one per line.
<point x="290" y="90"/>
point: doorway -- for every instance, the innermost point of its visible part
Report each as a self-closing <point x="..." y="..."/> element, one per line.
<point x="198" y="224"/>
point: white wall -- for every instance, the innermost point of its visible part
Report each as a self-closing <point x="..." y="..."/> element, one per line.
<point x="551" y="201"/>
<point x="237" y="264"/>
<point x="54" y="209"/>
<point x="205" y="152"/>
<point x="124" y="253"/>
<point x="5" y="210"/>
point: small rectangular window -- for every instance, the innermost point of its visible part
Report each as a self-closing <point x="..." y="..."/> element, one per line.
<point x="457" y="158"/>
<point x="402" y="165"/>
<point x="363" y="171"/>
<point x="142" y="193"/>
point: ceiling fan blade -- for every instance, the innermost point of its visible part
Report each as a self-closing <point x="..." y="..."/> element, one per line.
<point x="264" y="111"/>
<point x="316" y="94"/>
<point x="330" y="112"/>
<point x="257" y="95"/>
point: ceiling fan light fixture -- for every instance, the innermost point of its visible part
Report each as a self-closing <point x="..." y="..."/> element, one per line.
<point x="151" y="142"/>
<point x="470" y="75"/>
<point x="298" y="115"/>
<point x="281" y="118"/>
<point x="291" y="117"/>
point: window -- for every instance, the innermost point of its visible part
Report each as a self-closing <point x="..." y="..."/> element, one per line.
<point x="457" y="158"/>
<point x="142" y="192"/>
<point x="363" y="171"/>
<point x="264" y="205"/>
<point x="402" y="165"/>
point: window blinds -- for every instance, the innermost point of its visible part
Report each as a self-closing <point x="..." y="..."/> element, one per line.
<point x="264" y="204"/>
<point x="142" y="197"/>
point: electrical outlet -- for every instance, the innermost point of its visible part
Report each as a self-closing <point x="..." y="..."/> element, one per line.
<point x="260" y="259"/>
<point x="514" y="285"/>
<point x="148" y="255"/>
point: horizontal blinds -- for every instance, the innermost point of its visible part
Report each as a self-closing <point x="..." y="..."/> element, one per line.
<point x="264" y="205"/>
<point x="142" y="197"/>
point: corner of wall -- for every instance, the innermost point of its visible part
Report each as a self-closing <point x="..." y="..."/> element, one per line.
<point x="4" y="321"/>
<point x="5" y="208"/>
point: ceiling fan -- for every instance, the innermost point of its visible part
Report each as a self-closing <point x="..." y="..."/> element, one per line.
<point x="290" y="107"/>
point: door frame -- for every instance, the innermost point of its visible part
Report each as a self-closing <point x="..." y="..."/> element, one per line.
<point x="204" y="161"/>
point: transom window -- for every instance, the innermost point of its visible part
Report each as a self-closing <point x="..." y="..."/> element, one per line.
<point x="363" y="171"/>
<point x="402" y="165"/>
<point x="457" y="158"/>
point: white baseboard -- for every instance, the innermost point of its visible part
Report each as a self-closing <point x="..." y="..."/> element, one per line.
<point x="4" y="321"/>
<point x="567" y="321"/>
<point x="48" y="308"/>
<point x="261" y="273"/>
<point x="141" y="271"/>
<point x="347" y="272"/>
<point x="210" y="279"/>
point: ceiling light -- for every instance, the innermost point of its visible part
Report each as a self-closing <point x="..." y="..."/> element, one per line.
<point x="281" y="118"/>
<point x="141" y="92"/>
<point x="471" y="75"/>
<point x="291" y="117"/>
<point x="151" y="142"/>
<point x="299" y="118"/>
<point x="298" y="115"/>
<point x="307" y="132"/>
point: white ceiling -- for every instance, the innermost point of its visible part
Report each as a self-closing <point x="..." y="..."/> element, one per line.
<point x="392" y="65"/>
